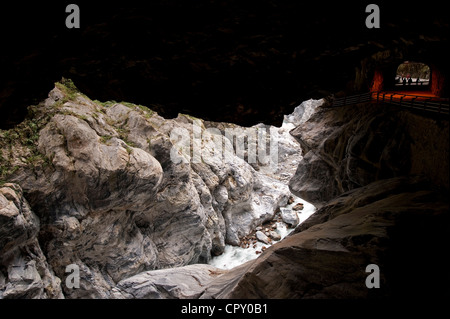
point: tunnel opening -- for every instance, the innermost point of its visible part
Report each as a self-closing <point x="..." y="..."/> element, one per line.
<point x="413" y="76"/>
<point x="424" y="78"/>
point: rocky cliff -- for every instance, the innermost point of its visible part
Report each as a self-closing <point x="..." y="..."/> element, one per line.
<point x="380" y="176"/>
<point x="25" y="272"/>
<point x="111" y="190"/>
<point x="353" y="146"/>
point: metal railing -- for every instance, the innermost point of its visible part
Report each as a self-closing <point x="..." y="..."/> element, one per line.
<point x="352" y="99"/>
<point x="424" y="103"/>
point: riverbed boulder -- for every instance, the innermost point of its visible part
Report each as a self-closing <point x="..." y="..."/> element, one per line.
<point x="262" y="237"/>
<point x="186" y="282"/>
<point x="274" y="235"/>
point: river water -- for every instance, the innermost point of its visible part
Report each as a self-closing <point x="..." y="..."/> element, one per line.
<point x="234" y="256"/>
<point x="289" y="159"/>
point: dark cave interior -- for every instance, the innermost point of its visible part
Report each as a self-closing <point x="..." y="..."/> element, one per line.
<point x="242" y="62"/>
<point x="100" y="196"/>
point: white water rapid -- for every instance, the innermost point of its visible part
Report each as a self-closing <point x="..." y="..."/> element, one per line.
<point x="234" y="255"/>
<point x="289" y="157"/>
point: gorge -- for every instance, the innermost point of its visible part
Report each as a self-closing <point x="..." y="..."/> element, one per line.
<point x="129" y="207"/>
<point x="91" y="182"/>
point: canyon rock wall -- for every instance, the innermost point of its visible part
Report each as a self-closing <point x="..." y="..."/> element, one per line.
<point x="398" y="225"/>
<point x="353" y="146"/>
<point x="24" y="271"/>
<point x="120" y="192"/>
<point x="116" y="192"/>
<point x="380" y="176"/>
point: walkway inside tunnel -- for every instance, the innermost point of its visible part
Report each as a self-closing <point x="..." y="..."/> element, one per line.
<point x="418" y="100"/>
<point x="409" y="95"/>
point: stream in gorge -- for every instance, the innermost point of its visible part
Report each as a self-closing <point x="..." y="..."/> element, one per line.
<point x="289" y="160"/>
<point x="235" y="255"/>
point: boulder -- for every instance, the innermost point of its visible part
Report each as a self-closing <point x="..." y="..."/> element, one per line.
<point x="274" y="235"/>
<point x="186" y="282"/>
<point x="262" y="237"/>
<point x="289" y="217"/>
<point x="137" y="201"/>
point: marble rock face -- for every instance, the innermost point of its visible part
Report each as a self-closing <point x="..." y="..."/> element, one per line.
<point x="24" y="272"/>
<point x="116" y="192"/>
<point x="349" y="147"/>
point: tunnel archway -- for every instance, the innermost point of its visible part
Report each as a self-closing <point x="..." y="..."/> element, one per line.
<point x="388" y="74"/>
<point x="413" y="76"/>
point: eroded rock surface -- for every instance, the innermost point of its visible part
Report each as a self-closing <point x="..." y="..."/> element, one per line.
<point x="121" y="192"/>
<point x="117" y="193"/>
<point x="349" y="147"/>
<point x="24" y="271"/>
<point x="186" y="282"/>
<point x="398" y="224"/>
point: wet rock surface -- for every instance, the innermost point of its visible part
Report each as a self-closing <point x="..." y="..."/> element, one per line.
<point x="289" y="217"/>
<point x="262" y="237"/>
<point x="269" y="232"/>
